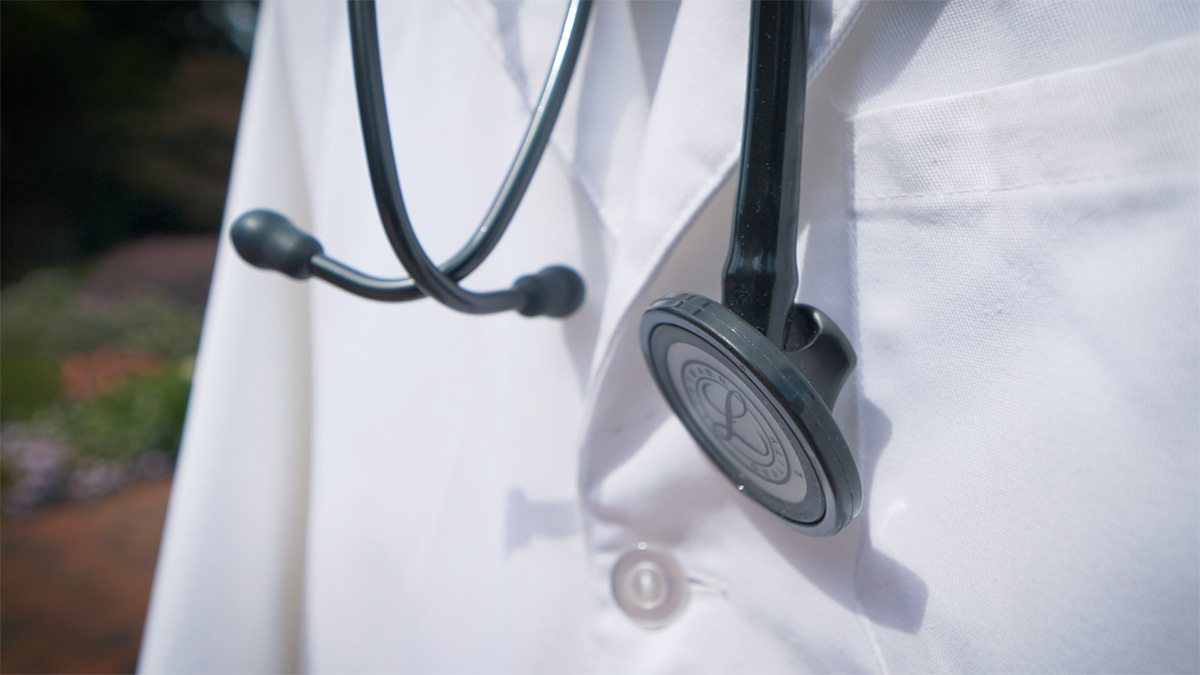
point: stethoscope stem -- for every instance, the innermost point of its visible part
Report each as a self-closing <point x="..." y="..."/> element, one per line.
<point x="555" y="291"/>
<point x="760" y="278"/>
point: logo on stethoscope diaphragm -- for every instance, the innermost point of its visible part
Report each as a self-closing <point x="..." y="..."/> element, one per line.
<point x="734" y="421"/>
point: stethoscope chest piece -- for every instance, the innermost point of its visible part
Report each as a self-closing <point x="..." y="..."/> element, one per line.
<point x="761" y="414"/>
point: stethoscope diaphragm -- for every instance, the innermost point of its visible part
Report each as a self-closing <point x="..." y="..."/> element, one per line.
<point x="761" y="414"/>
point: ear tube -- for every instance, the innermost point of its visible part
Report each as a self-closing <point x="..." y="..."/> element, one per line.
<point x="268" y="240"/>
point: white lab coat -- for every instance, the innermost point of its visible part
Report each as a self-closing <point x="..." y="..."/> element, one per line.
<point x="1000" y="207"/>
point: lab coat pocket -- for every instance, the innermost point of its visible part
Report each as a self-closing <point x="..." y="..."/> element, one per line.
<point x="1027" y="264"/>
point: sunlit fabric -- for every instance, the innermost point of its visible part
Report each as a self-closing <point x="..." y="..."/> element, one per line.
<point x="999" y="207"/>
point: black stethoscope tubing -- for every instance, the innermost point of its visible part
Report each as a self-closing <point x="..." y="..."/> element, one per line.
<point x="760" y="276"/>
<point x="267" y="239"/>
<point x="425" y="277"/>
<point x="754" y="366"/>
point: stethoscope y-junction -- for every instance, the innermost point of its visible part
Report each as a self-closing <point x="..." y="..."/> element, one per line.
<point x="753" y="378"/>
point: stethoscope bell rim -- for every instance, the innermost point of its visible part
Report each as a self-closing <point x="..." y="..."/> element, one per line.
<point x="753" y="412"/>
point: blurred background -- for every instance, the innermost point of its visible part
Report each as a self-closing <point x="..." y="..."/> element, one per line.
<point x="117" y="124"/>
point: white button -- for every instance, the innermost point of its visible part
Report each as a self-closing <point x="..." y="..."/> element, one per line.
<point x="649" y="586"/>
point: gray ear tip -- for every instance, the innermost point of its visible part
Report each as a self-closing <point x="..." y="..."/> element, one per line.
<point x="556" y="291"/>
<point x="269" y="240"/>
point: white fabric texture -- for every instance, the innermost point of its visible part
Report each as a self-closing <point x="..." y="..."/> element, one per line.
<point x="1000" y="206"/>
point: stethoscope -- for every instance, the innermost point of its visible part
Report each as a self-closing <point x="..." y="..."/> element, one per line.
<point x="753" y="378"/>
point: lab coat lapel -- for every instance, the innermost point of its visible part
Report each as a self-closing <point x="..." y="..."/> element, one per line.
<point x="652" y="124"/>
<point x="600" y="128"/>
<point x="690" y="144"/>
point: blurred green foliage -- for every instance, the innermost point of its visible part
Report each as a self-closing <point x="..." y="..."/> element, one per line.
<point x="90" y="387"/>
<point x="146" y="413"/>
<point x="43" y="320"/>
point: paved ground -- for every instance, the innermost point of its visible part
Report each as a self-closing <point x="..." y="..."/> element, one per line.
<point x="75" y="581"/>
